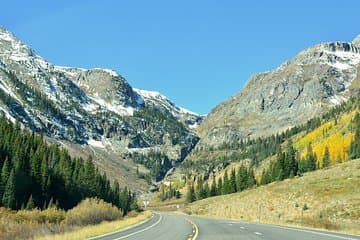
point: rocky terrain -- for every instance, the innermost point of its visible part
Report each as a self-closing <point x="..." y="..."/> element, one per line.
<point x="94" y="112"/>
<point x="304" y="87"/>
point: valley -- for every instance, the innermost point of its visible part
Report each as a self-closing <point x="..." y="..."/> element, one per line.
<point x="82" y="146"/>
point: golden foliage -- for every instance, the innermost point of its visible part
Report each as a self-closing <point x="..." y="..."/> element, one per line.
<point x="337" y="137"/>
<point x="92" y="211"/>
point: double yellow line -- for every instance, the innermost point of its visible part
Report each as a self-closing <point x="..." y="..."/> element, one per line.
<point x="195" y="233"/>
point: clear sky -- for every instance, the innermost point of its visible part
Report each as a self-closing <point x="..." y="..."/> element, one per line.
<point x="198" y="53"/>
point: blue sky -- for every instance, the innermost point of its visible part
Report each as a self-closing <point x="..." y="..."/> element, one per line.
<point x="198" y="53"/>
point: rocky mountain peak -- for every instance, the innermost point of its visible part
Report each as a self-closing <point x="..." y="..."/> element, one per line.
<point x="92" y="109"/>
<point x="306" y="86"/>
<point x="356" y="41"/>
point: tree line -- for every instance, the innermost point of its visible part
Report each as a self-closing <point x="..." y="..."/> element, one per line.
<point x="261" y="148"/>
<point x="37" y="174"/>
<point x="287" y="164"/>
<point x="237" y="181"/>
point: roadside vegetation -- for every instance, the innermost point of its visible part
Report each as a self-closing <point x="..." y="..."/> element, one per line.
<point x="307" y="176"/>
<point x="90" y="217"/>
<point x="326" y="199"/>
<point x="43" y="190"/>
<point x="322" y="142"/>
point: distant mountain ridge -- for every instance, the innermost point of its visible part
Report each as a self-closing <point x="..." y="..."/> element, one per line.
<point x="315" y="80"/>
<point x="92" y="108"/>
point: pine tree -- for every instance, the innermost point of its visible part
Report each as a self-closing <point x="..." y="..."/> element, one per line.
<point x="354" y="151"/>
<point x="190" y="194"/>
<point x="219" y="186"/>
<point x="310" y="159"/>
<point x="226" y="184"/>
<point x="206" y="190"/>
<point x="5" y="173"/>
<point x="241" y="179"/>
<point x="30" y="204"/>
<point x="326" y="158"/>
<point x="213" y="187"/>
<point x="232" y="183"/>
<point x="251" y="181"/>
<point x="8" y="199"/>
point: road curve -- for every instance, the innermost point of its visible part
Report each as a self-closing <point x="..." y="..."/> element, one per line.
<point x="162" y="226"/>
<point x="170" y="226"/>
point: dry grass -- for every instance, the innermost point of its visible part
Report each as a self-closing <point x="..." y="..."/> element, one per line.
<point x="102" y="228"/>
<point x="326" y="199"/>
<point x="25" y="224"/>
<point x="92" y="211"/>
<point x="167" y="205"/>
<point x="36" y="223"/>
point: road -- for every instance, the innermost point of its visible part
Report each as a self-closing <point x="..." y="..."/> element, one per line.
<point x="171" y="226"/>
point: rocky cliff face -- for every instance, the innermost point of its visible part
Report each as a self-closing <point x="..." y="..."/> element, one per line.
<point x="91" y="111"/>
<point x="303" y="87"/>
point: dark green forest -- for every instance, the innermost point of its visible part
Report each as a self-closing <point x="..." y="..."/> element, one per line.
<point x="37" y="174"/>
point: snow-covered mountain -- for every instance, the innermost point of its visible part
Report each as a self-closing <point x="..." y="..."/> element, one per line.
<point x="94" y="108"/>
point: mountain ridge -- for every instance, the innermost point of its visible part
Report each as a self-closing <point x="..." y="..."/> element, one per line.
<point x="316" y="79"/>
<point x="96" y="109"/>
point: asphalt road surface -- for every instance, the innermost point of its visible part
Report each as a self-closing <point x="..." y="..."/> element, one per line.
<point x="171" y="226"/>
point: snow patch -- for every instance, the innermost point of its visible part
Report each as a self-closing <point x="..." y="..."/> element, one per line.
<point x="336" y="99"/>
<point x="8" y="90"/>
<point x="121" y="110"/>
<point x="341" y="66"/>
<point x="7" y="115"/>
<point x="194" y="125"/>
<point x="186" y="111"/>
<point x="152" y="95"/>
<point x="40" y="61"/>
<point x="6" y="36"/>
<point x="19" y="58"/>
<point x="90" y="107"/>
<point x="109" y="71"/>
<point x="139" y="100"/>
<point x="95" y="143"/>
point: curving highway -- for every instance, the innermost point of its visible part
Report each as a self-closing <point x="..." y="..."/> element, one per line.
<point x="171" y="226"/>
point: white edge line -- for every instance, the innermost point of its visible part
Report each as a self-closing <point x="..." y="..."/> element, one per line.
<point x="318" y="233"/>
<point x="120" y="230"/>
<point x="142" y="230"/>
<point x="288" y="228"/>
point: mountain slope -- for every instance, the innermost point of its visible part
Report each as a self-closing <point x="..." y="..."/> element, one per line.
<point x="299" y="89"/>
<point x="92" y="112"/>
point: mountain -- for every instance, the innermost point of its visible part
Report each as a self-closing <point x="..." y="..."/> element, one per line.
<point x="94" y="112"/>
<point x="306" y="86"/>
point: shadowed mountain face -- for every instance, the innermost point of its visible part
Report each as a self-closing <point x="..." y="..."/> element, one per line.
<point x="304" y="87"/>
<point x="93" y="112"/>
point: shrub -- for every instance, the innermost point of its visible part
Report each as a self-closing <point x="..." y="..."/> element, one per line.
<point x="92" y="211"/>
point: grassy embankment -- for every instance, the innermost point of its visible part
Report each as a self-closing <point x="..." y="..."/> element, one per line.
<point x="325" y="199"/>
<point x="90" y="218"/>
<point x="99" y="229"/>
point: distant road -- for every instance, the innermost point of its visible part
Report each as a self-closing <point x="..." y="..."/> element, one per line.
<point x="169" y="226"/>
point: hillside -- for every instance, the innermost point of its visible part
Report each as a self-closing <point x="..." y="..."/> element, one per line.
<point x="333" y="131"/>
<point x="95" y="112"/>
<point x="306" y="86"/>
<point x="327" y="199"/>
